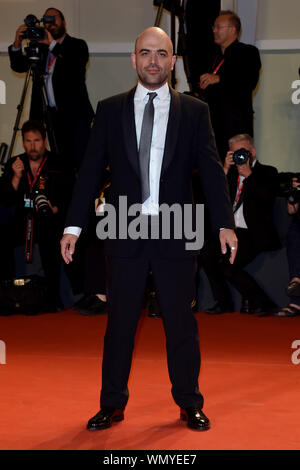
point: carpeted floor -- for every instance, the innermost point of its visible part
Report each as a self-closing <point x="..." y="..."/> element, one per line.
<point x="50" y="385"/>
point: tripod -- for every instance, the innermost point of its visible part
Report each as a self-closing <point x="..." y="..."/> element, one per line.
<point x="176" y="9"/>
<point x="36" y="75"/>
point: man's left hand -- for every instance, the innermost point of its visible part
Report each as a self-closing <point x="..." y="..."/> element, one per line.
<point x="53" y="208"/>
<point x="228" y="237"/>
<point x="208" y="79"/>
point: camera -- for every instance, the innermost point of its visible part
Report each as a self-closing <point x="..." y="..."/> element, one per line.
<point x="41" y="202"/>
<point x="241" y="156"/>
<point x="33" y="32"/>
<point x="293" y="194"/>
<point x="39" y="198"/>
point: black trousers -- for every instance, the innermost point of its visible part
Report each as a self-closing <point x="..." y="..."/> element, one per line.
<point x="174" y="282"/>
<point x="218" y="270"/>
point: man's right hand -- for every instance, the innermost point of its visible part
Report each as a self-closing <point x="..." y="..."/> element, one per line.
<point x="19" y="36"/>
<point x="18" y="168"/>
<point x="67" y="247"/>
<point x="228" y="162"/>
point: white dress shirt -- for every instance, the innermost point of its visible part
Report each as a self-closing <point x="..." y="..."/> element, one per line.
<point x="50" y="65"/>
<point x="161" y="105"/>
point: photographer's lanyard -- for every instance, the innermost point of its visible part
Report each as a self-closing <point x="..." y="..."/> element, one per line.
<point x="237" y="197"/>
<point x="29" y="218"/>
<point x="217" y="67"/>
<point x="50" y="62"/>
<point x="32" y="182"/>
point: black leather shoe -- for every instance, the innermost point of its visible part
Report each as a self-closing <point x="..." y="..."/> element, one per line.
<point x="218" y="308"/>
<point x="195" y="418"/>
<point x="104" y="418"/>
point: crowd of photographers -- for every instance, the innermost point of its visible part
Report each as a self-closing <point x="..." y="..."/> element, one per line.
<point x="36" y="186"/>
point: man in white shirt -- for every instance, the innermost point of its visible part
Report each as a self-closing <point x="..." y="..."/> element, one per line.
<point x="179" y="136"/>
<point x="253" y="189"/>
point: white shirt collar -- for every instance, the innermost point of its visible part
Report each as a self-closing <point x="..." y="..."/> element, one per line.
<point x="162" y="92"/>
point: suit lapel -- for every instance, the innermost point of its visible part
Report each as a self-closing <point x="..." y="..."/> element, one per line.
<point x="172" y="130"/>
<point x="129" y="131"/>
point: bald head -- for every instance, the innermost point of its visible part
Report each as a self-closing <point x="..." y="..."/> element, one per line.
<point x="154" y="32"/>
<point x="153" y="58"/>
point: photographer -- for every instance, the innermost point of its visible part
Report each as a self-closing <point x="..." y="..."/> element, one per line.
<point x="230" y="81"/>
<point x="253" y="189"/>
<point x="293" y="252"/>
<point x="62" y="66"/>
<point x="34" y="187"/>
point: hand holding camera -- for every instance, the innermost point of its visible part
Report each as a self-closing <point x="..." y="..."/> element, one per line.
<point x="30" y="30"/>
<point x="19" y="36"/>
<point x="241" y="158"/>
<point x="228" y="162"/>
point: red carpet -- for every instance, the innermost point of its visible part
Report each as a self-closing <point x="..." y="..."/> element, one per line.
<point x="50" y="385"/>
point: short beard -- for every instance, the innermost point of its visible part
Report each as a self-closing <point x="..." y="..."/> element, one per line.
<point x="35" y="157"/>
<point x="59" y="32"/>
<point x="152" y="85"/>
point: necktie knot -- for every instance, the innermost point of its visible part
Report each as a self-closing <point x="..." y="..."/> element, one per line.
<point x="152" y="95"/>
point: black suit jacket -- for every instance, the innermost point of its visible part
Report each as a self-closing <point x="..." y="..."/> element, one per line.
<point x="189" y="143"/>
<point x="258" y="196"/>
<point x="68" y="79"/>
<point x="230" y="101"/>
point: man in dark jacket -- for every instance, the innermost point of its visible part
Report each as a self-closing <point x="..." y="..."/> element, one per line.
<point x="62" y="66"/>
<point x="229" y="84"/>
<point x="34" y="187"/>
<point x="253" y="188"/>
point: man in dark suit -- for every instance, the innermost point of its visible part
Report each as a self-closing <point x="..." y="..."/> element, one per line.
<point x="34" y="187"/>
<point x="230" y="81"/>
<point x="181" y="138"/>
<point x="253" y="189"/>
<point x="62" y="66"/>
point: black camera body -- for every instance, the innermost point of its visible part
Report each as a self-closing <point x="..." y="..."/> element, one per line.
<point x="241" y="156"/>
<point x="33" y="32"/>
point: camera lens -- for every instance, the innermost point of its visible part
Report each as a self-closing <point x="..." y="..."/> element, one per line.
<point x="241" y="156"/>
<point x="41" y="202"/>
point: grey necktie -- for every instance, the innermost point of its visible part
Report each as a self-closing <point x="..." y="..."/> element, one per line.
<point x="145" y="146"/>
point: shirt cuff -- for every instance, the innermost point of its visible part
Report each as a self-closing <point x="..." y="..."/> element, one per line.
<point x="72" y="231"/>
<point x="15" y="49"/>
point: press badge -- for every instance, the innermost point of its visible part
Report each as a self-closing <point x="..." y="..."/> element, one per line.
<point x="28" y="202"/>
